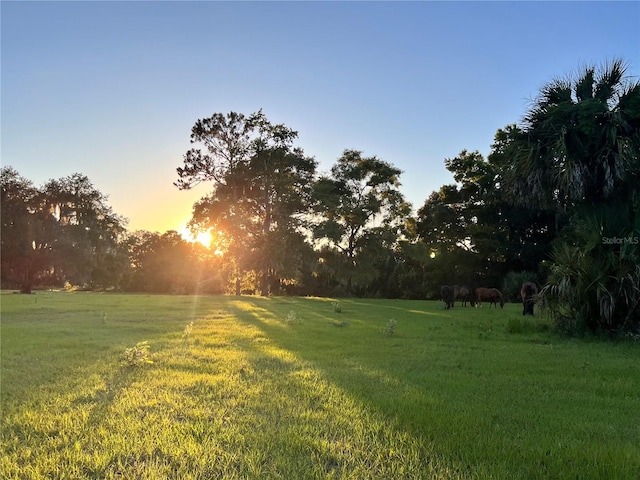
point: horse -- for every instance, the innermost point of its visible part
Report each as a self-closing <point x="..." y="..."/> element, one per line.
<point x="491" y="295"/>
<point x="449" y="293"/>
<point x="465" y="295"/>
<point x="528" y="293"/>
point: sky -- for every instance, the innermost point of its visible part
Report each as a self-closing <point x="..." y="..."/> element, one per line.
<point x="112" y="89"/>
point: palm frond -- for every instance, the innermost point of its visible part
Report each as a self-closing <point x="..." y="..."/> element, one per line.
<point x="608" y="82"/>
<point x="584" y="85"/>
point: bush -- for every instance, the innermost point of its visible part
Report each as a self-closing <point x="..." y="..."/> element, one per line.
<point x="594" y="285"/>
<point x="390" y="329"/>
<point x="187" y="330"/>
<point x="337" y="307"/>
<point x="292" y="317"/>
<point x="137" y="356"/>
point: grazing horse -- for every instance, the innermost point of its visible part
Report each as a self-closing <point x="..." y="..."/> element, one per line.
<point x="491" y="295"/>
<point x="528" y="293"/>
<point x="465" y="295"/>
<point x="448" y="293"/>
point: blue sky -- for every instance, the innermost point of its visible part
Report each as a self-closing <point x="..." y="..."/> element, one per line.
<point x="112" y="89"/>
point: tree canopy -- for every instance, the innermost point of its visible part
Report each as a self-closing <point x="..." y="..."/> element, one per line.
<point x="64" y="230"/>
<point x="261" y="188"/>
<point x="360" y="213"/>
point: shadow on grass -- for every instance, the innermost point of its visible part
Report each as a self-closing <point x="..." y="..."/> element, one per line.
<point x="343" y="363"/>
<point x="458" y="381"/>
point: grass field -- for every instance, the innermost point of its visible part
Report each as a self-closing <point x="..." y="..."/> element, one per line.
<point x="295" y="388"/>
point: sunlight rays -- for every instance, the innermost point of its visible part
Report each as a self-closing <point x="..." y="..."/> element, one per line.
<point x="202" y="237"/>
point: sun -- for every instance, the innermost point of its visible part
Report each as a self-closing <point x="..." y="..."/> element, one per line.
<point x="203" y="238"/>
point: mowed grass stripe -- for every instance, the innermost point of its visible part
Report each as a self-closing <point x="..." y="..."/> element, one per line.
<point x="291" y="388"/>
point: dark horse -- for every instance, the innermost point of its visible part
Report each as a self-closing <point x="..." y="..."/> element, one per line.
<point x="465" y="294"/>
<point x="449" y="294"/>
<point x="491" y="295"/>
<point x="528" y="293"/>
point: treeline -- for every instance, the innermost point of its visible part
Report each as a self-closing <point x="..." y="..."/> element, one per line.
<point x="65" y="234"/>
<point x="555" y="202"/>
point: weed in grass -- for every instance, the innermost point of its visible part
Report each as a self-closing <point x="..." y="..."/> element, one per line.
<point x="187" y="330"/>
<point x="337" y="306"/>
<point x="137" y="356"/>
<point x="292" y="317"/>
<point x="390" y="329"/>
<point x="515" y="325"/>
<point x="339" y="323"/>
<point x="519" y="325"/>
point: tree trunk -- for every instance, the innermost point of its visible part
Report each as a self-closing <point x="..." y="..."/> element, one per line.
<point x="264" y="283"/>
<point x="27" y="283"/>
<point x="266" y="228"/>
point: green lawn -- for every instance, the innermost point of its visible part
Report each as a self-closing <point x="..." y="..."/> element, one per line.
<point x="248" y="387"/>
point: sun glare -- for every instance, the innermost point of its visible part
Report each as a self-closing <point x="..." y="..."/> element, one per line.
<point x="203" y="238"/>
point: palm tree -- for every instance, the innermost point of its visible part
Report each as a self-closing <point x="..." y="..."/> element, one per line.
<point x="580" y="141"/>
<point x="578" y="151"/>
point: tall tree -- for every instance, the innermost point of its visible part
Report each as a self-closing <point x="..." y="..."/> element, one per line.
<point x="475" y="235"/>
<point x="578" y="150"/>
<point x="529" y="230"/>
<point x="260" y="187"/>
<point x="64" y="231"/>
<point x="360" y="211"/>
<point x="87" y="248"/>
<point x="27" y="233"/>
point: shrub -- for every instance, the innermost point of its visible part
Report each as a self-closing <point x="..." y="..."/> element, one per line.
<point x="187" y="330"/>
<point x="292" y="317"/>
<point x="390" y="329"/>
<point x="594" y="285"/>
<point x="137" y="356"/>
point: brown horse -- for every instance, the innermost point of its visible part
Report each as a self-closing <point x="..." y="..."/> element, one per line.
<point x="491" y="295"/>
<point x="528" y="293"/>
